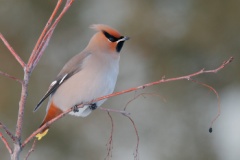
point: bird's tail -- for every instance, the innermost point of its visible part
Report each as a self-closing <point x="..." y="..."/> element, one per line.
<point x="52" y="112"/>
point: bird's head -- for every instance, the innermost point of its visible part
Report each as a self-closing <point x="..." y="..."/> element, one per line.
<point x="106" y="40"/>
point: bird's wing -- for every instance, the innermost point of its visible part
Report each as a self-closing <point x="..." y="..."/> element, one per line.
<point x="73" y="66"/>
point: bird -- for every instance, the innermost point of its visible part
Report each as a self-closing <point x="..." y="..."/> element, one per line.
<point x="86" y="76"/>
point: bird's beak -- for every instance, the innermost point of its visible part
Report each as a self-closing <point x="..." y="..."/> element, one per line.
<point x="123" y="39"/>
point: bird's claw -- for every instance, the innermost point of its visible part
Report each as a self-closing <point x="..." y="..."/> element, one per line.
<point x="75" y="109"/>
<point x="93" y="106"/>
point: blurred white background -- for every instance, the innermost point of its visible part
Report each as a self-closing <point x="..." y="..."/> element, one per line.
<point x="168" y="37"/>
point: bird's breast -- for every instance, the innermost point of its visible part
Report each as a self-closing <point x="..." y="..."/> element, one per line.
<point x="96" y="79"/>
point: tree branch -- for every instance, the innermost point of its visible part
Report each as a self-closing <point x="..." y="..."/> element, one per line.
<point x="33" y="60"/>
<point x="11" y="77"/>
<point x="31" y="150"/>
<point x="218" y="98"/>
<point x="136" y="155"/>
<point x="163" y="80"/>
<point x="47" y="34"/>
<point x="114" y="110"/>
<point x="16" y="56"/>
<point x="6" y="143"/>
<point x="34" y="52"/>
<point x="142" y="94"/>
<point x="7" y="131"/>
<point x="110" y="140"/>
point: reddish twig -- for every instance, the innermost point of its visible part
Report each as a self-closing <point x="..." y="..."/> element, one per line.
<point x="142" y="94"/>
<point x="16" y="56"/>
<point x="114" y="110"/>
<point x="110" y="141"/>
<point x="136" y="154"/>
<point x="187" y="77"/>
<point x="11" y="77"/>
<point x="34" y="52"/>
<point x="47" y="34"/>
<point x="7" y="131"/>
<point x="163" y="80"/>
<point x="6" y="143"/>
<point x="221" y="67"/>
<point x="31" y="150"/>
<point x="218" y="99"/>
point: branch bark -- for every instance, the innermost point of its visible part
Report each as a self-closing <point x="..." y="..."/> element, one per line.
<point x="47" y="34"/>
<point x="16" y="56"/>
<point x="31" y="150"/>
<point x="6" y="143"/>
<point x="7" y="131"/>
<point x="11" y="77"/>
<point x="18" y="132"/>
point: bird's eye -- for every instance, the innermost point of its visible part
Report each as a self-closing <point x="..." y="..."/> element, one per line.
<point x="110" y="37"/>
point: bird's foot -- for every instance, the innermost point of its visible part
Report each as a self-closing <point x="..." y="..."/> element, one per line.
<point x="75" y="109"/>
<point x="93" y="106"/>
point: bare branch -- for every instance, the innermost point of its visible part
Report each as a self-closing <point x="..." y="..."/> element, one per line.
<point x="11" y="77"/>
<point x="6" y="143"/>
<point x="7" y="131"/>
<point x="45" y="29"/>
<point x="221" y="67"/>
<point x="110" y="141"/>
<point x="187" y="77"/>
<point x="47" y="34"/>
<point x="33" y="60"/>
<point x="114" y="110"/>
<point x="142" y="94"/>
<point x="31" y="150"/>
<point x="16" y="56"/>
<point x="219" y="104"/>
<point x="22" y="103"/>
<point x="136" y="155"/>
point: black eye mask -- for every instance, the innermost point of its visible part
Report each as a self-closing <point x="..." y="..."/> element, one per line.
<point x="114" y="39"/>
<point x="110" y="37"/>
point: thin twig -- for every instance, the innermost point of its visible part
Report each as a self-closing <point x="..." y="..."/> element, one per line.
<point x="40" y="39"/>
<point x="218" y="99"/>
<point x="187" y="77"/>
<point x="136" y="154"/>
<point x="221" y="67"/>
<point x="7" y="131"/>
<point x="110" y="141"/>
<point x="114" y="110"/>
<point x="45" y="28"/>
<point x="6" y="143"/>
<point x="31" y="150"/>
<point x="33" y="61"/>
<point x="11" y="77"/>
<point x="16" y="56"/>
<point x="142" y="94"/>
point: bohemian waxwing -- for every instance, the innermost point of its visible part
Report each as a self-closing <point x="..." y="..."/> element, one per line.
<point x="87" y="76"/>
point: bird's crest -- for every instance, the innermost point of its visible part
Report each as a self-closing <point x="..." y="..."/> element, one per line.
<point x="106" y="28"/>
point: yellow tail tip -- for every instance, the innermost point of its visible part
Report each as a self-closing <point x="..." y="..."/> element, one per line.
<point x="40" y="135"/>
